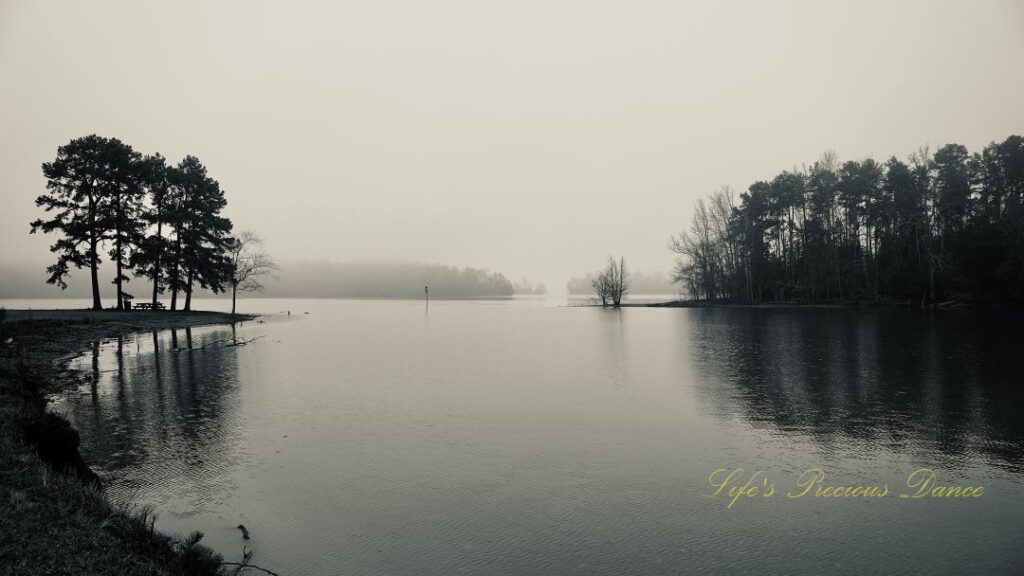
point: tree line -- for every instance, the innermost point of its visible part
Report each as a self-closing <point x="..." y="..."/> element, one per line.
<point x="159" y="221"/>
<point x="934" y="228"/>
<point x="389" y="279"/>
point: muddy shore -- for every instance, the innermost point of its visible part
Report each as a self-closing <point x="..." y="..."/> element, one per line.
<point x="57" y="519"/>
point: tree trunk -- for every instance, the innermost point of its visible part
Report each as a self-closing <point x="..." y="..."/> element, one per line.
<point x="176" y="270"/>
<point x="175" y="273"/>
<point x="188" y="293"/>
<point x="96" y="304"/>
<point x="120" y="296"/>
<point x="234" y="291"/>
<point x="93" y="265"/>
<point x="156" y="262"/>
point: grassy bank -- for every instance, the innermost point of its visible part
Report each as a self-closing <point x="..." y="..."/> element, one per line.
<point x="54" y="516"/>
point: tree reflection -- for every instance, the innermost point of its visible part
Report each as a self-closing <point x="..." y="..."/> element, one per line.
<point x="902" y="379"/>
<point x="161" y="419"/>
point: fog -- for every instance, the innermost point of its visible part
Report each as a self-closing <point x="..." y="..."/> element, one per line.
<point x="528" y="138"/>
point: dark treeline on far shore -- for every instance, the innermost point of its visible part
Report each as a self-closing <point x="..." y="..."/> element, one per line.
<point x="156" y="220"/>
<point x="936" y="228"/>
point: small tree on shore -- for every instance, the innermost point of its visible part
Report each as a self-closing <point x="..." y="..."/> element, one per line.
<point x="602" y="287"/>
<point x="612" y="283"/>
<point x="249" y="263"/>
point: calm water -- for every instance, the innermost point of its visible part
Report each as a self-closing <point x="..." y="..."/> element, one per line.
<point x="378" y="437"/>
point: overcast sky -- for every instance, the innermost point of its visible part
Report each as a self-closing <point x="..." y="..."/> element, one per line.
<point x="530" y="137"/>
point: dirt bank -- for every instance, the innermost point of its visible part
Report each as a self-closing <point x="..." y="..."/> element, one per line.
<point x="56" y="519"/>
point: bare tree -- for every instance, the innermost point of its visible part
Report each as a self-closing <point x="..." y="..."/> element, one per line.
<point x="708" y="255"/>
<point x="602" y="286"/>
<point x="698" y="265"/>
<point x="612" y="282"/>
<point x="620" y="277"/>
<point x="249" y="263"/>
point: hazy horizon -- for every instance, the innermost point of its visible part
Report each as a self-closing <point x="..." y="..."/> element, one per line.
<point x="532" y="139"/>
<point x="303" y="279"/>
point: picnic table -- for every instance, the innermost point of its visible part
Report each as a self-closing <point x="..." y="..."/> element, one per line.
<point x="149" y="306"/>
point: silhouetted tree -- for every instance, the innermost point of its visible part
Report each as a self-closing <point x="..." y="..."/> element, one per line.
<point x="249" y="263"/>
<point x="92" y="193"/>
<point x="155" y="250"/>
<point x="612" y="283"/>
<point x="121" y="212"/>
<point x="602" y="285"/>
<point x="200" y="241"/>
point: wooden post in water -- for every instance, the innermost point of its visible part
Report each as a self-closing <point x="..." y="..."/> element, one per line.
<point x="426" y="294"/>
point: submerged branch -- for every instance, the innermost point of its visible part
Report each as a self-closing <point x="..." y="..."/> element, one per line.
<point x="243" y="342"/>
<point x="231" y="343"/>
<point x="244" y="565"/>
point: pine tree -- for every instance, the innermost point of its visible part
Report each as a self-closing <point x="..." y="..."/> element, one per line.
<point x="122" y="209"/>
<point x="152" y="258"/>
<point x="79" y="181"/>
<point x="200" y="243"/>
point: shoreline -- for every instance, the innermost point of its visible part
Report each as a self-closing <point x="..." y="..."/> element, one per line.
<point x="700" y="304"/>
<point x="766" y="305"/>
<point x="60" y="520"/>
<point x="946" y="306"/>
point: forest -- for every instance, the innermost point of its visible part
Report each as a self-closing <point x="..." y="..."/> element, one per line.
<point x="943" y="228"/>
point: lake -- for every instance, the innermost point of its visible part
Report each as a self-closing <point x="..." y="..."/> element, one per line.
<point x="520" y="438"/>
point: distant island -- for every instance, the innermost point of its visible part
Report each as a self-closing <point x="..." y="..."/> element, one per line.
<point x="392" y="279"/>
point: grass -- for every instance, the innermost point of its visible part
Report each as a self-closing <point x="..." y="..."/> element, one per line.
<point x="51" y="522"/>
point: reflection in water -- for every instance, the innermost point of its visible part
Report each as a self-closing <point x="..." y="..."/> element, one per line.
<point x="505" y="439"/>
<point x="946" y="383"/>
<point x="614" y="352"/>
<point x="159" y="418"/>
<point x="95" y="367"/>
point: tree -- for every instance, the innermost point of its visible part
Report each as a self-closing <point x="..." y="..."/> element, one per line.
<point x="698" y="269"/>
<point x="612" y="282"/>
<point x="602" y="285"/>
<point x="620" y="279"/>
<point x="249" y="263"/>
<point x="122" y="210"/>
<point x="708" y="251"/>
<point x="155" y="250"/>
<point x="200" y="242"/>
<point x="90" y="190"/>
